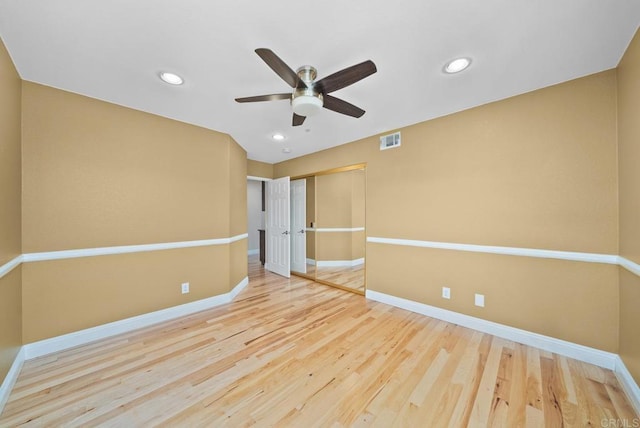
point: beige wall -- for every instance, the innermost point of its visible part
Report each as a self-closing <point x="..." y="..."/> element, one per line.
<point x="10" y="319"/>
<point x="448" y="181"/>
<point x="333" y="246"/>
<point x="63" y="296"/>
<point x="340" y="246"/>
<point x="237" y="206"/>
<point x="259" y="169"/>
<point x="630" y="322"/>
<point x="237" y="189"/>
<point x="311" y="217"/>
<point x="100" y="175"/>
<point x="333" y="200"/>
<point x="311" y="245"/>
<point x="97" y="174"/>
<point x="534" y="171"/>
<point x="311" y="200"/>
<point x="629" y="150"/>
<point x="237" y="263"/>
<point x="10" y="211"/>
<point x="629" y="196"/>
<point x="340" y="204"/>
<point x="10" y="163"/>
<point x="573" y="301"/>
<point x="358" y="244"/>
<point x="358" y="213"/>
<point x="255" y="215"/>
<point x="358" y="198"/>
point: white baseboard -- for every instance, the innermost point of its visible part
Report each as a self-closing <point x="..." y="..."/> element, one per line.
<point x="82" y="337"/>
<point x="628" y="383"/>
<point x="594" y="356"/>
<point x="311" y="262"/>
<point x="340" y="263"/>
<point x="238" y="288"/>
<point x="10" y="378"/>
<point x="253" y="252"/>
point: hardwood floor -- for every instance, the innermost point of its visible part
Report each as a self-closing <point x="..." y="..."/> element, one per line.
<point x="298" y="353"/>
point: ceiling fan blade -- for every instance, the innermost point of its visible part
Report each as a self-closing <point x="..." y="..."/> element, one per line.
<point x="270" y="97"/>
<point x="346" y="77"/>
<point x="281" y="68"/>
<point x="297" y="120"/>
<point x="341" y="106"/>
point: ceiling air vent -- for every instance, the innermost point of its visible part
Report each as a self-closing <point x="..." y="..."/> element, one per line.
<point x="390" y="141"/>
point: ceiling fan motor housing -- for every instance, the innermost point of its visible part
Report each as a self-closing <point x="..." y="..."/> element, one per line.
<point x="307" y="74"/>
<point x="306" y="101"/>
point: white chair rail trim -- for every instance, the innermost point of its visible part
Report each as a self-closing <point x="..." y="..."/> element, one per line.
<point x="103" y="251"/>
<point x="339" y="263"/>
<point x="10" y="265"/>
<point x="124" y="249"/>
<point x="611" y="259"/>
<point x="334" y="229"/>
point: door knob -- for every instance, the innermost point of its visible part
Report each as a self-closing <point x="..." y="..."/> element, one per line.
<point x="286" y="232"/>
<point x="301" y="231"/>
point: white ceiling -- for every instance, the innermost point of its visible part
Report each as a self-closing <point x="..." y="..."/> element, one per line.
<point x="113" y="51"/>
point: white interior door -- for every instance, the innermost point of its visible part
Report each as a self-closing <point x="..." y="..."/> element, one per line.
<point x="277" y="227"/>
<point x="298" y="224"/>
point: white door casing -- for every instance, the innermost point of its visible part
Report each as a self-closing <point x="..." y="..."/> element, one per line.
<point x="298" y="226"/>
<point x="277" y="227"/>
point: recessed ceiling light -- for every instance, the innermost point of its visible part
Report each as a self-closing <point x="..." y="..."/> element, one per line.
<point x="278" y="137"/>
<point x="286" y="150"/>
<point x="457" y="65"/>
<point x="171" y="78"/>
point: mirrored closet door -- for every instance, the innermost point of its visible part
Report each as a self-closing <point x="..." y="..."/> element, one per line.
<point x="330" y="247"/>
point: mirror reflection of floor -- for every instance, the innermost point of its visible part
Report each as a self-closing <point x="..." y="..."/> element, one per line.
<point x="351" y="276"/>
<point x="311" y="269"/>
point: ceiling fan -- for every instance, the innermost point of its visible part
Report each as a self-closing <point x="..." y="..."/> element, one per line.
<point x="309" y="95"/>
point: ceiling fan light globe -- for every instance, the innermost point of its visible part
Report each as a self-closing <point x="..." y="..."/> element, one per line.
<point x="306" y="105"/>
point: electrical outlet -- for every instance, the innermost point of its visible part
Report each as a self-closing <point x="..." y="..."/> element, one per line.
<point x="446" y="293"/>
<point x="185" y="287"/>
<point x="480" y="300"/>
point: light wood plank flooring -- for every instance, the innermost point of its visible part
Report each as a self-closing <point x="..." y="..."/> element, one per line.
<point x="301" y="354"/>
